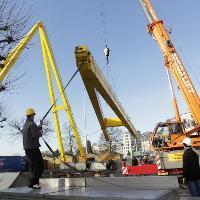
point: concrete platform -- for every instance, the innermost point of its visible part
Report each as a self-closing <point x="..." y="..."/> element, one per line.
<point x="7" y="179"/>
<point x="83" y="193"/>
<point x="135" y="182"/>
<point x="98" y="188"/>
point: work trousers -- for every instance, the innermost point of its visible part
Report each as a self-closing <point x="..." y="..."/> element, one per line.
<point x="194" y="188"/>
<point x="35" y="161"/>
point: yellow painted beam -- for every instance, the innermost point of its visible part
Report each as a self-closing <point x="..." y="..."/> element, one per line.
<point x="51" y="72"/>
<point x="113" y="122"/>
<point x="95" y="83"/>
<point x="63" y="94"/>
<point x="15" y="53"/>
<point x="59" y="108"/>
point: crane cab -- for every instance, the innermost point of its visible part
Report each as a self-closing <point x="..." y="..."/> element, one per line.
<point x="167" y="135"/>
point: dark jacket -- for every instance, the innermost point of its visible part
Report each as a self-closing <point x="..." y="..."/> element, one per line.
<point x="31" y="134"/>
<point x="191" y="169"/>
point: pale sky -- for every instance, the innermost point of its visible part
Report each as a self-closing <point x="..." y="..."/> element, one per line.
<point x="136" y="63"/>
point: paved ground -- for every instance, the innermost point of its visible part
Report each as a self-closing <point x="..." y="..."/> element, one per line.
<point x="141" y="187"/>
<point x="136" y="182"/>
<point x="107" y="188"/>
<point x="83" y="193"/>
<point x="184" y="195"/>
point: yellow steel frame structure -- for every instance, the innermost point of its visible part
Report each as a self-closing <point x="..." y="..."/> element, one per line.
<point x="50" y="65"/>
<point x="94" y="82"/>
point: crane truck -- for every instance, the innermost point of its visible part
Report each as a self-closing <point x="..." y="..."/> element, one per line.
<point x="167" y="136"/>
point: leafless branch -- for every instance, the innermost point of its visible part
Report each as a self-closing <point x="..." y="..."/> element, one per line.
<point x="14" y="17"/>
<point x="115" y="138"/>
<point x="3" y="113"/>
<point x="16" y="127"/>
<point x="69" y="140"/>
<point x="47" y="128"/>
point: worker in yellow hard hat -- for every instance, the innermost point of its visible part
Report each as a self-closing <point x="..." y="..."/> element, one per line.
<point x="30" y="111"/>
<point x="31" y="134"/>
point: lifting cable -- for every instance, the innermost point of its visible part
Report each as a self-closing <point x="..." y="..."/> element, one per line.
<point x="105" y="40"/>
<point x="56" y="156"/>
<point x="70" y="80"/>
<point x="104" y="31"/>
<point x="79" y="171"/>
<point x="48" y="146"/>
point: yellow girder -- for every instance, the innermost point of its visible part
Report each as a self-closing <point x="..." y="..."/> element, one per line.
<point x="50" y="65"/>
<point x="94" y="82"/>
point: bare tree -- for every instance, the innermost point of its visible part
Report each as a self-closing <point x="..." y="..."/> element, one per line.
<point x="14" y="17"/>
<point x="3" y="114"/>
<point x="69" y="140"/>
<point x="115" y="139"/>
<point x="16" y="127"/>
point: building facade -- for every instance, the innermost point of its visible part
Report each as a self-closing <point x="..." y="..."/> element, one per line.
<point x="130" y="146"/>
<point x="146" y="147"/>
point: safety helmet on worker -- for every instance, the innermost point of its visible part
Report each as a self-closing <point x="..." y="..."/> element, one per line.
<point x="187" y="141"/>
<point x="30" y="111"/>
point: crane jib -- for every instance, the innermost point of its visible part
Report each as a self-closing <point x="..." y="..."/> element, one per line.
<point x="182" y="73"/>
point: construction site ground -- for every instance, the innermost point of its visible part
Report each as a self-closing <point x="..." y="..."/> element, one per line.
<point x="107" y="188"/>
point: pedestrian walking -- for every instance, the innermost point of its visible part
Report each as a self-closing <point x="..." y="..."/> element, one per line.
<point x="191" y="169"/>
<point x="31" y="134"/>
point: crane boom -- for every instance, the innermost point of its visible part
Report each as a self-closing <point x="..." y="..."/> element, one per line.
<point x="172" y="133"/>
<point x="172" y="60"/>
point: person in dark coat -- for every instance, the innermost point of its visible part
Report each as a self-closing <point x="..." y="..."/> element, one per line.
<point x="134" y="161"/>
<point x="31" y="134"/>
<point x="191" y="169"/>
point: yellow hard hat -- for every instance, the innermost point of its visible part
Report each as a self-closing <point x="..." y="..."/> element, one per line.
<point x="30" y="111"/>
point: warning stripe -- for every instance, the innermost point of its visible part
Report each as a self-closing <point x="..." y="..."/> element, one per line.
<point x="158" y="161"/>
<point x="124" y="170"/>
